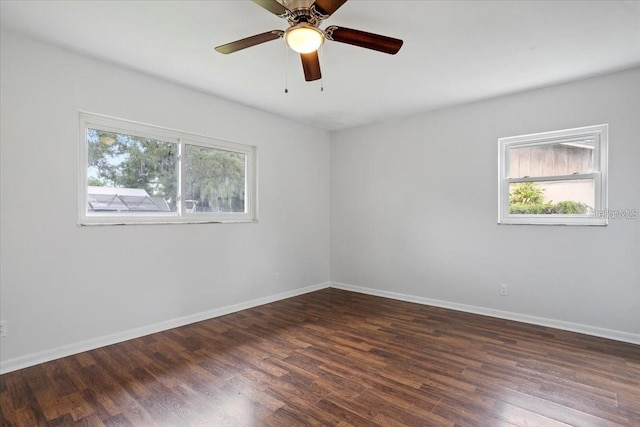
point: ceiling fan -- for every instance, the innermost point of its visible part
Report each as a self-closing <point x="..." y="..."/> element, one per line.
<point x="304" y="35"/>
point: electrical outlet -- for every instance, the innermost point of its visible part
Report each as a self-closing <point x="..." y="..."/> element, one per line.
<point x="504" y="289"/>
<point x="276" y="277"/>
<point x="3" y="328"/>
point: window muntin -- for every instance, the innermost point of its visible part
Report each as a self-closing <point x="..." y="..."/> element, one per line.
<point x="554" y="177"/>
<point x="134" y="173"/>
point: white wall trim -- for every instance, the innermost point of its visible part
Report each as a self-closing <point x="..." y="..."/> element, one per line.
<point x="91" y="344"/>
<point x="534" y="320"/>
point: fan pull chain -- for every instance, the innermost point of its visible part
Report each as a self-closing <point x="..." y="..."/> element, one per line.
<point x="321" y="78"/>
<point x="286" y="68"/>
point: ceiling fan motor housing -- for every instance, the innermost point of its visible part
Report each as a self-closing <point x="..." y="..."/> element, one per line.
<point x="299" y="11"/>
<point x="297" y="4"/>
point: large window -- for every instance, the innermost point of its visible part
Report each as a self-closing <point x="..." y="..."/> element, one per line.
<point x="555" y="177"/>
<point x="135" y="173"/>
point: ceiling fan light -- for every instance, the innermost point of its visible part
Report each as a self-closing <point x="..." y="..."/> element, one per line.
<point x="304" y="38"/>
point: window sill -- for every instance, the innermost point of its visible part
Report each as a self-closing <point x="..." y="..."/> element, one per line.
<point x="157" y="221"/>
<point x="551" y="220"/>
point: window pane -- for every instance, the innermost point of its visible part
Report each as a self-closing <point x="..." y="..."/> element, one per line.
<point x="214" y="180"/>
<point x="560" y="158"/>
<point x="130" y="174"/>
<point x="552" y="197"/>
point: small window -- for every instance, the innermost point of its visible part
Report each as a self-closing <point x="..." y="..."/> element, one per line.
<point x="134" y="173"/>
<point x="554" y="177"/>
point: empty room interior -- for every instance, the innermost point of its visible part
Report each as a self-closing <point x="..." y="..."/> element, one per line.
<point x="329" y="212"/>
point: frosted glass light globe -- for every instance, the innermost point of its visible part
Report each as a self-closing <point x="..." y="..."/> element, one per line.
<point x="304" y="38"/>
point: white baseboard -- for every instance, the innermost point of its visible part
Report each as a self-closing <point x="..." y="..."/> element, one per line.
<point x="541" y="321"/>
<point x="79" y="347"/>
<point x="70" y="349"/>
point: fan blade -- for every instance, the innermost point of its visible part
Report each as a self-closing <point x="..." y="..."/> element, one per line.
<point x="272" y="6"/>
<point x="363" y="39"/>
<point x="328" y="7"/>
<point x="311" y="66"/>
<point x="249" y="41"/>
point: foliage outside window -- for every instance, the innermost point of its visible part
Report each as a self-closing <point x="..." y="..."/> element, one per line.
<point x="554" y="177"/>
<point x="135" y="173"/>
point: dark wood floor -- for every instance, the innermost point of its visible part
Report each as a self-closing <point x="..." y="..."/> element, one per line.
<point x="337" y="358"/>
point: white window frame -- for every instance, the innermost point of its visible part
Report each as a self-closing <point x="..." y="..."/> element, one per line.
<point x="181" y="216"/>
<point x="598" y="133"/>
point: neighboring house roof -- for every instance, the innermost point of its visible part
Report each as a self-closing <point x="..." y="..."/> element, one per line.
<point x="120" y="199"/>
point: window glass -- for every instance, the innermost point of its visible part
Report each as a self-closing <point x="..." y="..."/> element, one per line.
<point x="127" y="173"/>
<point x="575" y="197"/>
<point x="555" y="159"/>
<point x="214" y="180"/>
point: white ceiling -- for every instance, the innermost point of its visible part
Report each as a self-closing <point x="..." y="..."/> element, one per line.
<point x="454" y="52"/>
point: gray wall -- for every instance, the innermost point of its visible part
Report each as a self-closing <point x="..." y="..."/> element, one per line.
<point x="399" y="222"/>
<point x="65" y="286"/>
<point x="405" y="223"/>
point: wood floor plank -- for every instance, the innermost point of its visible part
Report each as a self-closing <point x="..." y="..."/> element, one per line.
<point x="520" y="417"/>
<point x="337" y="358"/>
<point x="553" y="410"/>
